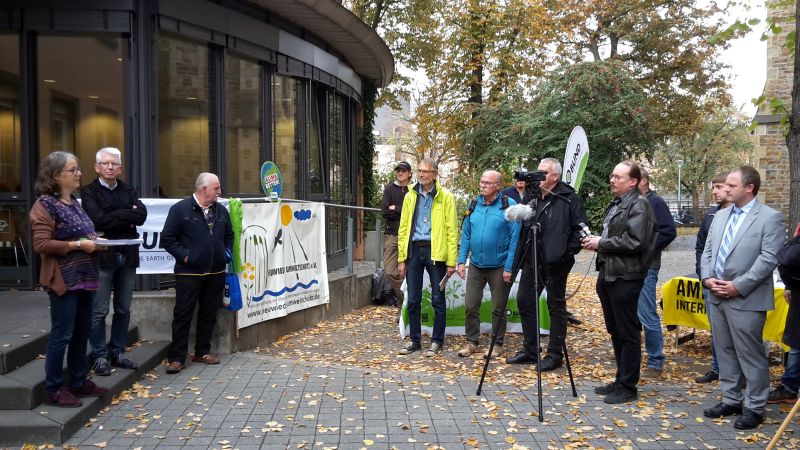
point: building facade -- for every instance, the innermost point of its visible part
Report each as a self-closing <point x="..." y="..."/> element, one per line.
<point x="182" y="87"/>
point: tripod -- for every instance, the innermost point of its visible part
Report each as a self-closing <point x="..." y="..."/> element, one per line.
<point x="539" y="273"/>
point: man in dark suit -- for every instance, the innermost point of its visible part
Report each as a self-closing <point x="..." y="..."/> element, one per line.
<point x="738" y="261"/>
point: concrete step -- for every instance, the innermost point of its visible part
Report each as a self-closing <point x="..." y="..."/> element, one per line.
<point x="51" y="425"/>
<point x="19" y="348"/>
<point x="23" y="387"/>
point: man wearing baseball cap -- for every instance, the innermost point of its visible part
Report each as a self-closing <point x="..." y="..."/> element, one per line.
<point x="391" y="206"/>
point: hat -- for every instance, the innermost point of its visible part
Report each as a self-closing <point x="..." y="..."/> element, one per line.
<point x="402" y="165"/>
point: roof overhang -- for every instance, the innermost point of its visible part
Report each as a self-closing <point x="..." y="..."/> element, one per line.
<point x="355" y="41"/>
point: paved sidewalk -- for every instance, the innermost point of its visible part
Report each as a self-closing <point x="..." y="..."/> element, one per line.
<point x="254" y="401"/>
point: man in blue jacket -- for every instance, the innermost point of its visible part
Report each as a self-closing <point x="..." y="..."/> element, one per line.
<point x="647" y="310"/>
<point x="197" y="233"/>
<point x="490" y="242"/>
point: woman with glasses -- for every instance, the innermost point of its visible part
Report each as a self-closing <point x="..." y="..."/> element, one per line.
<point x="64" y="237"/>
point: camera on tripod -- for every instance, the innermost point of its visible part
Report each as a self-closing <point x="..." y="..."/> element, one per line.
<point x="530" y="177"/>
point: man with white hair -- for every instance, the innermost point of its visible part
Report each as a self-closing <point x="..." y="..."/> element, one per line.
<point x="197" y="232"/>
<point x="116" y="211"/>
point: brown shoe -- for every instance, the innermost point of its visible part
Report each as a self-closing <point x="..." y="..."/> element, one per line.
<point x="468" y="350"/>
<point x="652" y="374"/>
<point x="174" y="367"/>
<point x="208" y="358"/>
<point x="88" y="389"/>
<point x="497" y="352"/>
<point x="63" y="399"/>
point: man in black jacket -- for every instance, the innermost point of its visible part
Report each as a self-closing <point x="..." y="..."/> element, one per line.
<point x="116" y="211"/>
<point x="197" y="232"/>
<point x="720" y="192"/>
<point x="624" y="252"/>
<point x="789" y="269"/>
<point x="391" y="207"/>
<point x="558" y="212"/>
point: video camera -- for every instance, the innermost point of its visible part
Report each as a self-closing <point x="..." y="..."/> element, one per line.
<point x="530" y="177"/>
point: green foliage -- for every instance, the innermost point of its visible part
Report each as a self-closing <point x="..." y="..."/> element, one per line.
<point x="601" y="96"/>
<point x="366" y="142"/>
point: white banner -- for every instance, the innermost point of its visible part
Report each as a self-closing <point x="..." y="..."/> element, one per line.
<point x="282" y="255"/>
<point x="153" y="258"/>
<point x="575" y="158"/>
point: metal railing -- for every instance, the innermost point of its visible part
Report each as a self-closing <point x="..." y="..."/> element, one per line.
<point x="350" y="225"/>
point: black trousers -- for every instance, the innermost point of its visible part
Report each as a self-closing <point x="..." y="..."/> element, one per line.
<point x="620" y="300"/>
<point x="556" y="306"/>
<point x="205" y="292"/>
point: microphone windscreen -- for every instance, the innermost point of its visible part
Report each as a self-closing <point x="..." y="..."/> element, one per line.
<point x="519" y="213"/>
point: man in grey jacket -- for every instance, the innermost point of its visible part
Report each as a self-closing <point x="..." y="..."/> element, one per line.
<point x="624" y="252"/>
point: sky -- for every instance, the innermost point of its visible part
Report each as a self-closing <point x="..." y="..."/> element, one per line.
<point x="748" y="60"/>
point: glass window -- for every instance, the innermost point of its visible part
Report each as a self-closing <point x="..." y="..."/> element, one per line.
<point x="316" y="174"/>
<point x="286" y="148"/>
<point x="10" y="145"/>
<point x="338" y="216"/>
<point x="242" y="125"/>
<point x="14" y="260"/>
<point x="81" y="102"/>
<point x="183" y="140"/>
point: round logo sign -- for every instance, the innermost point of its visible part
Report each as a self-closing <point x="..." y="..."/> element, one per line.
<point x="271" y="179"/>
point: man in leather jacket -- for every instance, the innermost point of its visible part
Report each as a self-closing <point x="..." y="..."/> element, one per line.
<point x="624" y="252"/>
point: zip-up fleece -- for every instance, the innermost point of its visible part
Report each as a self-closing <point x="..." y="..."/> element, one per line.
<point x="487" y="237"/>
<point x="444" y="225"/>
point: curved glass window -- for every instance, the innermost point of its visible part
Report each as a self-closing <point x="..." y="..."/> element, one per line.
<point x="242" y="125"/>
<point x="286" y="134"/>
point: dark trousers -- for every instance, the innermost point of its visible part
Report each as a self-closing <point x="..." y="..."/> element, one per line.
<point x="419" y="262"/>
<point x="70" y="325"/>
<point x="206" y="292"/>
<point x="620" y="300"/>
<point x="556" y="305"/>
<point x="477" y="279"/>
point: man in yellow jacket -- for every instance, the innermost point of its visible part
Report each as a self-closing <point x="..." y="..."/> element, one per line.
<point x="427" y="240"/>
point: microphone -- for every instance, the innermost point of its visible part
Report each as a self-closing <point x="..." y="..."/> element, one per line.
<point x="518" y="213"/>
<point x="584" y="231"/>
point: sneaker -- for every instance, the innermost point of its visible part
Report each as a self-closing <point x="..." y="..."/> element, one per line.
<point x="88" y="389"/>
<point x="123" y="363"/>
<point x="410" y="348"/>
<point x="708" y="377"/>
<point x="781" y="395"/>
<point x="607" y="389"/>
<point x="62" y="398"/>
<point x="621" y="396"/>
<point x="468" y="350"/>
<point x="435" y="349"/>
<point x="101" y="367"/>
<point x="652" y="373"/>
<point x="497" y="351"/>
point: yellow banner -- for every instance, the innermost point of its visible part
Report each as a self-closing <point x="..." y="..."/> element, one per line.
<point x="684" y="305"/>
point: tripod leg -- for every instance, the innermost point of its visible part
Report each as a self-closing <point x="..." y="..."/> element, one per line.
<point x="569" y="371"/>
<point x="491" y="348"/>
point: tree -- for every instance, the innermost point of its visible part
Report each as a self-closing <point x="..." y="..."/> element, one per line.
<point x="721" y="142"/>
<point x="601" y="96"/>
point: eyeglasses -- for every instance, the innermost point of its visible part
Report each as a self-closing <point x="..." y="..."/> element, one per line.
<point x="109" y="164"/>
<point x="486" y="183"/>
<point x="425" y="171"/>
<point x="73" y="171"/>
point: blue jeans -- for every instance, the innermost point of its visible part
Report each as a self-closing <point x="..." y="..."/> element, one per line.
<point x="648" y="316"/>
<point x="120" y="279"/>
<point x="70" y="324"/>
<point x="416" y="264"/>
<point x="714" y="363"/>
<point x="791" y="373"/>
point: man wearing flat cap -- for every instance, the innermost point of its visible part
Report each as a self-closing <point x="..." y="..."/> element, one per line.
<point x="391" y="206"/>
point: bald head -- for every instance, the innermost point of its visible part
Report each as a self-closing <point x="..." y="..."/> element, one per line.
<point x="490" y="185"/>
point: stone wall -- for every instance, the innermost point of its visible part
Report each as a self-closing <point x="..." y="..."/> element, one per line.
<point x="772" y="157"/>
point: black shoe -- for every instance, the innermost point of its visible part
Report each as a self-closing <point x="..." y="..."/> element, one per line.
<point x="748" y="420"/>
<point x="521" y="358"/>
<point x="781" y="395"/>
<point x="607" y="389"/>
<point x="550" y="363"/>
<point x="722" y="410"/>
<point x="621" y="395"/>
<point x="410" y="348"/>
<point x="101" y="367"/>
<point x="708" y="377"/>
<point x="572" y="320"/>
<point x="123" y="362"/>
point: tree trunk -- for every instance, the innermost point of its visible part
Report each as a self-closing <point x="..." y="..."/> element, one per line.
<point x="793" y="138"/>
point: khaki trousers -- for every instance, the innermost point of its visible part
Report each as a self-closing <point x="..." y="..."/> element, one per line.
<point x="390" y="264"/>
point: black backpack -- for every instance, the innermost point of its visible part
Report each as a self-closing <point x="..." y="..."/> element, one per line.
<point x="382" y="293"/>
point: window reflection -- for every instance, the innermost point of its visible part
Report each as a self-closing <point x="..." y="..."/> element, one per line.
<point x="286" y="133"/>
<point x="316" y="180"/>
<point x="242" y="124"/>
<point x="10" y="145"/>
<point x="14" y="256"/>
<point x="81" y="88"/>
<point x="183" y="144"/>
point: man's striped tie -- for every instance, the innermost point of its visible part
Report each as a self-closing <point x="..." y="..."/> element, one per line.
<point x="727" y="241"/>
